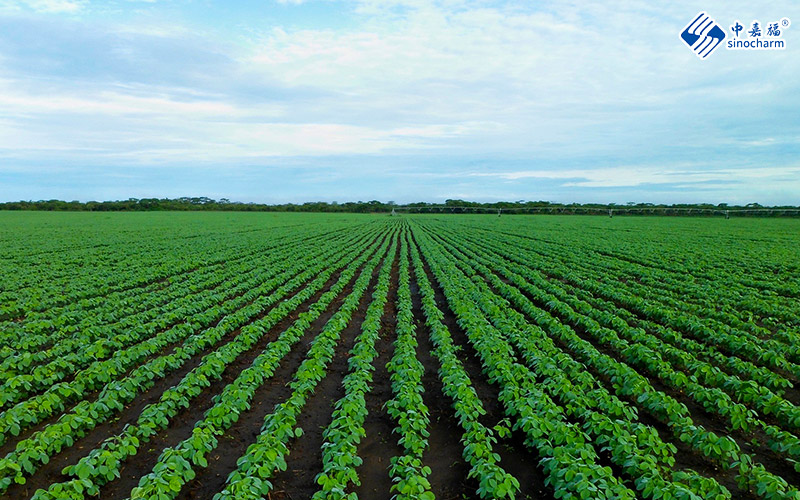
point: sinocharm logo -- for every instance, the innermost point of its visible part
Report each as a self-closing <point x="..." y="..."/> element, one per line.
<point x="703" y="35"/>
<point x="758" y="36"/>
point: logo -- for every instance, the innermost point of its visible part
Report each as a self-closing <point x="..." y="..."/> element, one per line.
<point x="703" y="35"/>
<point x="766" y="36"/>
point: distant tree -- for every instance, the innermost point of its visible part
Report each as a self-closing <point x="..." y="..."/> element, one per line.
<point x="372" y="206"/>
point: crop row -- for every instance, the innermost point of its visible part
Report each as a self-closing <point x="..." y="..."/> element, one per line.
<point x="71" y="426"/>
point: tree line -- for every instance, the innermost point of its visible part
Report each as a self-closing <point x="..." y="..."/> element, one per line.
<point x="373" y="206"/>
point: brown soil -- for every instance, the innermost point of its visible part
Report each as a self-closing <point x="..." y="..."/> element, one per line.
<point x="515" y="457"/>
<point x="772" y="461"/>
<point x="305" y="457"/>
<point x="686" y="457"/>
<point x="245" y="429"/>
<point x="11" y="444"/>
<point x="689" y="458"/>
<point x="380" y="444"/>
<point x="179" y="428"/>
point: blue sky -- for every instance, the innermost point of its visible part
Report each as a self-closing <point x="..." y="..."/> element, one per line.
<point x="403" y="100"/>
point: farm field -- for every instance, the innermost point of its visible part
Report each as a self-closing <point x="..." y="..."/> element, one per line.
<point x="290" y="356"/>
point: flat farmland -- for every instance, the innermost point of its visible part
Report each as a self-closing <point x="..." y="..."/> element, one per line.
<point x="340" y="356"/>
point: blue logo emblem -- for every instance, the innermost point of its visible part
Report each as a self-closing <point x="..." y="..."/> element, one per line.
<point x="703" y="35"/>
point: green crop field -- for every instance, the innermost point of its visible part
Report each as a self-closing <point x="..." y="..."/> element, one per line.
<point x="327" y="356"/>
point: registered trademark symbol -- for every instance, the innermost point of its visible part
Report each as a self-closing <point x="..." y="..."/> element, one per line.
<point x="785" y="22"/>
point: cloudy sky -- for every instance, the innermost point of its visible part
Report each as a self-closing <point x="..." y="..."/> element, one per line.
<point x="405" y="100"/>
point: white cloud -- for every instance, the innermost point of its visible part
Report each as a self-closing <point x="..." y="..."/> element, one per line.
<point x="162" y="125"/>
<point x="767" y="141"/>
<point x="631" y="176"/>
<point x="114" y="103"/>
<point x="48" y="6"/>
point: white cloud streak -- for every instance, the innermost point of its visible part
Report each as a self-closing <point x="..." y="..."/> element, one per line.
<point x="47" y="6"/>
<point x="630" y="176"/>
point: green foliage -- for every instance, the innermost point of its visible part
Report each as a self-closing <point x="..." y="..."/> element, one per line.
<point x="604" y="339"/>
